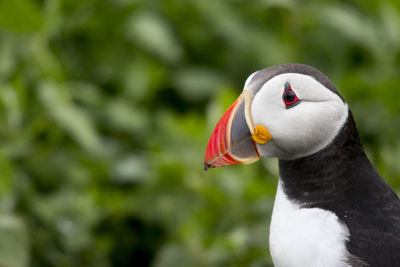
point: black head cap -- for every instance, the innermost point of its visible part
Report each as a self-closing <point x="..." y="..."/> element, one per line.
<point x="262" y="76"/>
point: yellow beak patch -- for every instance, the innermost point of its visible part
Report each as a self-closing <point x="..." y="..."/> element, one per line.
<point x="261" y="135"/>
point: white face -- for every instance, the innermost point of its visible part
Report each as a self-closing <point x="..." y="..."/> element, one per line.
<point x="302" y="129"/>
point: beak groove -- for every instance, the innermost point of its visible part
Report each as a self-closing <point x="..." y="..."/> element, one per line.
<point x="231" y="141"/>
<point x="217" y="153"/>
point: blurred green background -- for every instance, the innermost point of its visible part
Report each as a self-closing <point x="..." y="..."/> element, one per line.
<point x="106" y="108"/>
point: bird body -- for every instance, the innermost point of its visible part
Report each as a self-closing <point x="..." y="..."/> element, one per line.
<point x="301" y="230"/>
<point x="332" y="208"/>
<point x="340" y="179"/>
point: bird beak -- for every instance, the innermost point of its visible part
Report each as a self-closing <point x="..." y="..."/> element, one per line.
<point x="234" y="138"/>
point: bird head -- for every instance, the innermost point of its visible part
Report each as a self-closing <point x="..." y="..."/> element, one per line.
<point x="287" y="111"/>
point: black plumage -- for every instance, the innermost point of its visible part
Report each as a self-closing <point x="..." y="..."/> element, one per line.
<point x="341" y="179"/>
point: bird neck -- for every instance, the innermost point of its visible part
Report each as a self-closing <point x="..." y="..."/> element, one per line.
<point x="327" y="175"/>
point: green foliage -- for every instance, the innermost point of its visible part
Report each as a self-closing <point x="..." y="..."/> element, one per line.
<point x="106" y="108"/>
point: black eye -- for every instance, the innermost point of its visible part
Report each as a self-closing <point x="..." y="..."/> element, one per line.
<point x="289" y="97"/>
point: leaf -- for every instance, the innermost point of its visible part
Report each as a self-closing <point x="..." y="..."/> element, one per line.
<point x="14" y="251"/>
<point x="20" y="16"/>
<point x="130" y="169"/>
<point x="68" y="116"/>
<point x="152" y="33"/>
<point x="198" y="83"/>
<point x="351" y="23"/>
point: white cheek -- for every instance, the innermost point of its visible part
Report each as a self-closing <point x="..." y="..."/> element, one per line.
<point x="313" y="126"/>
<point x="300" y="130"/>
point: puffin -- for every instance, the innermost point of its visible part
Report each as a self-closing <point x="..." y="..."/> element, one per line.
<point x="331" y="207"/>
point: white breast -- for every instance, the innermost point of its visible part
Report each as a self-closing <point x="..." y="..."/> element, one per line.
<point x="305" y="236"/>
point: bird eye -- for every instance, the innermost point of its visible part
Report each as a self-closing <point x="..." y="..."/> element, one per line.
<point x="289" y="97"/>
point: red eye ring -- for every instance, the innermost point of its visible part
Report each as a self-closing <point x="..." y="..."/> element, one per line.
<point x="289" y="97"/>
